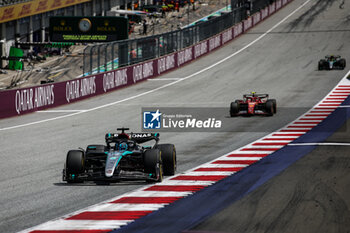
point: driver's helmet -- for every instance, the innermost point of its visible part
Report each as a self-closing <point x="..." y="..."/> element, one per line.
<point x="332" y="58"/>
<point x="123" y="146"/>
<point x="123" y="136"/>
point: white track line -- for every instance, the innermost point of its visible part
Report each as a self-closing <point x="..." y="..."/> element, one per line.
<point x="164" y="79"/>
<point x="126" y="207"/>
<point x="66" y="225"/>
<point x="187" y="182"/>
<point x="166" y="85"/>
<point x="213" y="165"/>
<point x="60" y="111"/>
<point x="320" y="144"/>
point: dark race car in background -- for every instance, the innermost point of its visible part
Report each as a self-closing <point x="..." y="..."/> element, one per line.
<point x="253" y="104"/>
<point x="122" y="158"/>
<point x="332" y="63"/>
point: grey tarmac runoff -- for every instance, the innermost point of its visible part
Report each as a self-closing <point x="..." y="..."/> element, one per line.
<point x="283" y="63"/>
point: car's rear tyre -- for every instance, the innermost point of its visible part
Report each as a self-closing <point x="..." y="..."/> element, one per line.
<point x="74" y="165"/>
<point x="323" y="65"/>
<point x="320" y="65"/>
<point x="168" y="153"/>
<point x="342" y="63"/>
<point x="274" y="105"/>
<point x="269" y="108"/>
<point x="234" y="109"/>
<point x="153" y="164"/>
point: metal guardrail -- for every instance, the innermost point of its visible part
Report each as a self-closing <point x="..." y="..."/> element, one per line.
<point x="109" y="56"/>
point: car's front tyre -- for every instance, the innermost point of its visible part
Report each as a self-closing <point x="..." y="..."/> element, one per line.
<point x="234" y="109"/>
<point x="74" y="165"/>
<point x="153" y="164"/>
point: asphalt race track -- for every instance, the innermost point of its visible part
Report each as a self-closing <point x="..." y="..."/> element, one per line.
<point x="283" y="63"/>
<point x="312" y="195"/>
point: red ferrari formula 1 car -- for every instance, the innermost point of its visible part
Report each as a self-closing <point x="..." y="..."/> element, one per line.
<point x="254" y="104"/>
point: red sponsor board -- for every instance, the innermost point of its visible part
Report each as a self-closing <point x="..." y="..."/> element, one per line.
<point x="214" y="42"/>
<point x="278" y="4"/>
<point x="256" y="18"/>
<point x="237" y="30"/>
<point x="26" y="100"/>
<point x="264" y="13"/>
<point x="227" y="36"/>
<point x="272" y="8"/>
<point x="166" y="63"/>
<point x="200" y="49"/>
<point x="115" y="79"/>
<point x="184" y="56"/>
<point x="247" y="24"/>
<point x="143" y="71"/>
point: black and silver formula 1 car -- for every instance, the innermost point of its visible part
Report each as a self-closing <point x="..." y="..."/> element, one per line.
<point x="122" y="158"/>
<point x="254" y="104"/>
<point x="332" y="62"/>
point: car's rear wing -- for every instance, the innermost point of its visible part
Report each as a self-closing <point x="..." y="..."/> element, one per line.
<point x="137" y="137"/>
<point x="256" y="95"/>
<point x="335" y="56"/>
<point x="144" y="137"/>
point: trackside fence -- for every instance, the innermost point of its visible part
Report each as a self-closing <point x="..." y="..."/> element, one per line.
<point x="109" y="56"/>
